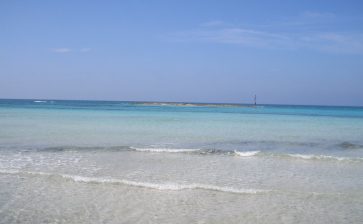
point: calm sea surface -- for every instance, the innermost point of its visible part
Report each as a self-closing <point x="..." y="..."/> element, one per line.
<point x="130" y="162"/>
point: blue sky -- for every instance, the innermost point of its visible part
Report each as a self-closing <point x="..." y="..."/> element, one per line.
<point x="286" y="52"/>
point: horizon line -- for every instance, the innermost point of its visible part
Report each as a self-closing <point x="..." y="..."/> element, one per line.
<point x="181" y="102"/>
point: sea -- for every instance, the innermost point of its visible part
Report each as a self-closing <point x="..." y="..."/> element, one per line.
<point x="147" y="162"/>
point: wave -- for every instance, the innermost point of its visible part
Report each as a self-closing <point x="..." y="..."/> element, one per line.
<point x="162" y="186"/>
<point x="39" y="101"/>
<point x="201" y="151"/>
<point x="164" y="150"/>
<point x="198" y="151"/>
<point x="246" y="154"/>
<point x="9" y="171"/>
<point x="323" y="157"/>
<point x="298" y="156"/>
<point x="156" y="186"/>
<point x="84" y="148"/>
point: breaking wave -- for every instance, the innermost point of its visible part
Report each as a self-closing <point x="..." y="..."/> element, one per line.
<point x="323" y="157"/>
<point x="246" y="154"/>
<point x="204" y="151"/>
<point x="156" y="186"/>
<point x="164" y="150"/>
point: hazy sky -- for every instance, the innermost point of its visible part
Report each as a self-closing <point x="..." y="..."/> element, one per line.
<point x="286" y="52"/>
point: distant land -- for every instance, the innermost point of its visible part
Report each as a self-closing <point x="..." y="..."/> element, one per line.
<point x="182" y="104"/>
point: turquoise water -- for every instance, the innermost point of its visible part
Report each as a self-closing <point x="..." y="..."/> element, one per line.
<point x="266" y="164"/>
<point x="31" y="124"/>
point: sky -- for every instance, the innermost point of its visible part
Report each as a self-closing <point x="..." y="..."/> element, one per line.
<point x="286" y="52"/>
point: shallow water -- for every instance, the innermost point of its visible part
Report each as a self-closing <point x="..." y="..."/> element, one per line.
<point x="125" y="162"/>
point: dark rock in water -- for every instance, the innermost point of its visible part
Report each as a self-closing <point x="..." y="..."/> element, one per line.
<point x="349" y="145"/>
<point x="53" y="149"/>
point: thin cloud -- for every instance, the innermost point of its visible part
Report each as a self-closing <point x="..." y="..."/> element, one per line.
<point x="239" y="36"/>
<point x="331" y="42"/>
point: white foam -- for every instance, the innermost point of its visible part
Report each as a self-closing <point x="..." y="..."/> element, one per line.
<point x="157" y="186"/>
<point x="320" y="157"/>
<point x="246" y="154"/>
<point x="39" y="101"/>
<point x="9" y="171"/>
<point x="164" y="150"/>
<point x="163" y="186"/>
